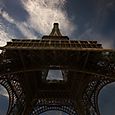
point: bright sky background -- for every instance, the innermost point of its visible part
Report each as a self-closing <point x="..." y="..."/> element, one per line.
<point x="78" y="19"/>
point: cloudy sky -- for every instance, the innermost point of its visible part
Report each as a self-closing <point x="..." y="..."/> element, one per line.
<point x="78" y="19"/>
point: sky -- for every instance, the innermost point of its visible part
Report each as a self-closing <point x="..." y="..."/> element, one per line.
<point x="78" y="19"/>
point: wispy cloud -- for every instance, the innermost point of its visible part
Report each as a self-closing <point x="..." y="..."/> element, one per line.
<point x="3" y="91"/>
<point x="22" y="26"/>
<point x="4" y="37"/>
<point x="43" y="13"/>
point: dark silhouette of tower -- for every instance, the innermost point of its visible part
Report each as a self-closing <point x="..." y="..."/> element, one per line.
<point x="55" y="73"/>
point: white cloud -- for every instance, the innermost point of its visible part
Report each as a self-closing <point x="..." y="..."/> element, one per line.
<point x="6" y="16"/>
<point x="3" y="91"/>
<point x="22" y="26"/>
<point x="43" y="13"/>
<point x="4" y="36"/>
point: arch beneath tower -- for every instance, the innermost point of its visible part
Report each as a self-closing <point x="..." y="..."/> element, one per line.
<point x="54" y="112"/>
<point x="14" y="92"/>
<point x="91" y="95"/>
<point x="51" y="104"/>
<point x="107" y="94"/>
<point x="4" y="100"/>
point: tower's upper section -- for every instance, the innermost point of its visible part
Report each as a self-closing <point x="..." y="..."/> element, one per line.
<point x="55" y="34"/>
<point x="55" y="30"/>
<point x="54" y="41"/>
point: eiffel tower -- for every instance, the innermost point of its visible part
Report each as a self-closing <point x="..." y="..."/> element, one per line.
<point x="55" y="73"/>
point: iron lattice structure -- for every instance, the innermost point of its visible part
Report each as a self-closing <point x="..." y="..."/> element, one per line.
<point x="85" y="65"/>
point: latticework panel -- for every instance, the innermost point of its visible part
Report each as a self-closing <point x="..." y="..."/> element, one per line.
<point x="46" y="104"/>
<point x="16" y="96"/>
<point x="90" y="96"/>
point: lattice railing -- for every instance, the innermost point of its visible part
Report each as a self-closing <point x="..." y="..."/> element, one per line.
<point x="52" y="43"/>
<point x="16" y="95"/>
<point x="90" y="96"/>
<point x="45" y="104"/>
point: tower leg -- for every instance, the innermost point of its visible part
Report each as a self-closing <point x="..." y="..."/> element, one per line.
<point x="27" y="109"/>
<point x="80" y="108"/>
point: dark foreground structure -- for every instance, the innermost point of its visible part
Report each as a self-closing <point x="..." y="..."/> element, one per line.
<point x="85" y="68"/>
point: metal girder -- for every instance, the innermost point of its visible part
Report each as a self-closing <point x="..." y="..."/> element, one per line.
<point x="16" y="95"/>
<point x="87" y="66"/>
